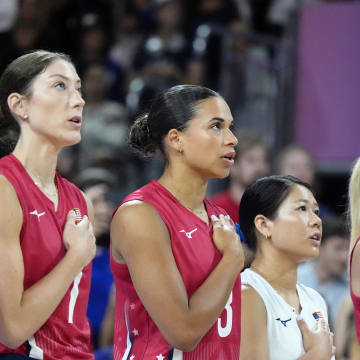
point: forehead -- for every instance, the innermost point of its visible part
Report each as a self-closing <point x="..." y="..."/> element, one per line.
<point x="213" y="107"/>
<point x="59" y="67"/>
<point x="298" y="194"/>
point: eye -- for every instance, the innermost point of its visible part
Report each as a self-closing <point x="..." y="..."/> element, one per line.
<point x="302" y="208"/>
<point x="317" y="212"/>
<point x="60" y="85"/>
<point x="216" y="126"/>
<point x="232" y="128"/>
<point x="79" y="90"/>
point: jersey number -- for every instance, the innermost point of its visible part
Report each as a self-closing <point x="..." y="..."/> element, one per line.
<point x="225" y="331"/>
<point x="73" y="296"/>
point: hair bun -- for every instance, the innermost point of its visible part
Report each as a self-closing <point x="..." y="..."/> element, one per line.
<point x="140" y="137"/>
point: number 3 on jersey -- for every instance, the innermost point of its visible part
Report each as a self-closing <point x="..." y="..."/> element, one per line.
<point x="225" y="331"/>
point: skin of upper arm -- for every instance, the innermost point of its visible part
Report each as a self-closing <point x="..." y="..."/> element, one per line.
<point x="90" y="209"/>
<point x="11" y="259"/>
<point x="254" y="344"/>
<point x="139" y="234"/>
<point x="355" y="270"/>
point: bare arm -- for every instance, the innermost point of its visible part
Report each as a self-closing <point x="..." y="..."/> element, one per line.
<point x="22" y="313"/>
<point x="254" y="342"/>
<point x="355" y="270"/>
<point x="141" y="239"/>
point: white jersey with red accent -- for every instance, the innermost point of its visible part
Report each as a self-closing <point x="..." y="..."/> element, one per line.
<point x="66" y="334"/>
<point x="136" y="335"/>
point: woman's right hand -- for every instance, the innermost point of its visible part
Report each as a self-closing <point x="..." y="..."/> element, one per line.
<point x="79" y="239"/>
<point x="319" y="342"/>
<point x="225" y="237"/>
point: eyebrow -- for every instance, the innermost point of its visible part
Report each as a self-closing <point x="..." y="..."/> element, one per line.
<point x="306" y="201"/>
<point x="64" y="77"/>
<point x="220" y="119"/>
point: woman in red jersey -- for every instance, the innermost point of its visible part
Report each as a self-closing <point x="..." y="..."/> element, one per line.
<point x="46" y="239"/>
<point x="176" y="257"/>
<point x="354" y="210"/>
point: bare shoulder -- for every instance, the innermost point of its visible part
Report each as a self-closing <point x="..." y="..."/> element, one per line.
<point x="254" y="343"/>
<point x="136" y="225"/>
<point x="10" y="210"/>
<point x="355" y="269"/>
<point x="137" y="215"/>
<point x="90" y="208"/>
<point x="251" y="299"/>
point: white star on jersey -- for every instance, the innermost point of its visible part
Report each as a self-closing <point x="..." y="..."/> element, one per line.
<point x="132" y="306"/>
<point x="160" y="357"/>
<point x="35" y="212"/>
<point x="135" y="332"/>
<point x="188" y="234"/>
<point x="132" y="357"/>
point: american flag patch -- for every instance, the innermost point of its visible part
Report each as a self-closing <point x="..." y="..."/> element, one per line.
<point x="78" y="215"/>
<point x="317" y="315"/>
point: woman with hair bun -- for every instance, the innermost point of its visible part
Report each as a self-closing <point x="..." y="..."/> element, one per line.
<point x="280" y="318"/>
<point x="46" y="238"/>
<point x="176" y="257"/>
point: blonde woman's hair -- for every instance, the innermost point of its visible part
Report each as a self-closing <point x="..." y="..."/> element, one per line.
<point x="354" y="203"/>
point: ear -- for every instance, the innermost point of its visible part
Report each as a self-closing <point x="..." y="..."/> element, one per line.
<point x="263" y="225"/>
<point x="16" y="105"/>
<point x="174" y="139"/>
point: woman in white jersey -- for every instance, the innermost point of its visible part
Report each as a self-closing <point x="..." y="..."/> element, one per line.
<point x="280" y="318"/>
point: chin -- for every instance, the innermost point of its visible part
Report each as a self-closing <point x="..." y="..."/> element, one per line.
<point x="75" y="140"/>
<point x="222" y="175"/>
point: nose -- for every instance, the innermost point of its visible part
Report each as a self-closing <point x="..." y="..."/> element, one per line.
<point x="231" y="138"/>
<point x="315" y="220"/>
<point x="77" y="99"/>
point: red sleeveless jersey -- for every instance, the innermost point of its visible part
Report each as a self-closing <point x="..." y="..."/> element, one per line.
<point x="136" y="336"/>
<point x="355" y="299"/>
<point x="66" y="334"/>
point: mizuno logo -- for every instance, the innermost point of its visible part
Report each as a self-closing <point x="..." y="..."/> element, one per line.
<point x="188" y="234"/>
<point x="37" y="214"/>
<point x="283" y="321"/>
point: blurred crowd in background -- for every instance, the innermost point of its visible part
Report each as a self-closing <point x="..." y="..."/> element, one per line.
<point x="128" y="50"/>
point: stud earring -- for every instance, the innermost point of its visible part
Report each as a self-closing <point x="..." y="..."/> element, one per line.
<point x="26" y="116"/>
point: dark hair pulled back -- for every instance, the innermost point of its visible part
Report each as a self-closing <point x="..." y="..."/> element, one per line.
<point x="171" y="109"/>
<point x="18" y="78"/>
<point x="264" y="197"/>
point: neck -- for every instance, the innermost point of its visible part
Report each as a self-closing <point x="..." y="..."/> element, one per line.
<point x="280" y="272"/>
<point x="39" y="160"/>
<point x="185" y="186"/>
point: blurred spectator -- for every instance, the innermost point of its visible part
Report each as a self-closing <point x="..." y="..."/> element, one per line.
<point x="96" y="183"/>
<point x="131" y="28"/>
<point x="94" y="46"/>
<point x="160" y="60"/>
<point x="327" y="274"/>
<point x="105" y="123"/>
<point x="251" y="163"/>
<point x="195" y="72"/>
<point x="347" y="346"/>
<point x="208" y="23"/>
<point x="28" y="32"/>
<point x="8" y="14"/>
<point x="297" y="161"/>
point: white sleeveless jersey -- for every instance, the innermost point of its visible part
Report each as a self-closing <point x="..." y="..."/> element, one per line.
<point x="284" y="336"/>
